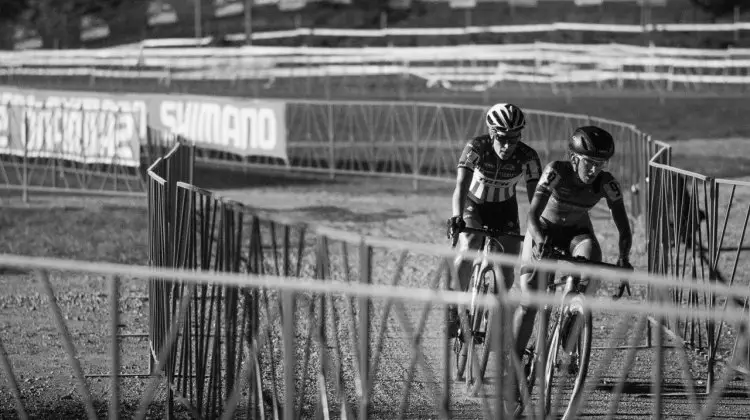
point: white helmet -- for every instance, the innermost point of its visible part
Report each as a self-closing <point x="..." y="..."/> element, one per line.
<point x="505" y="117"/>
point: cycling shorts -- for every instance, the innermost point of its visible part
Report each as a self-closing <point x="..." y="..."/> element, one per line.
<point x="563" y="237"/>
<point x="501" y="215"/>
<point x="567" y="237"/>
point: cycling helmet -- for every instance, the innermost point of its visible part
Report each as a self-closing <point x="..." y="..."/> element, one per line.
<point x="593" y="142"/>
<point x="505" y="117"/>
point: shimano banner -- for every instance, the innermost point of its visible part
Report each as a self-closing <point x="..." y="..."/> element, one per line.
<point x="240" y="126"/>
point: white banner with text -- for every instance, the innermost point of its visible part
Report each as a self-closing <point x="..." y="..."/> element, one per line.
<point x="110" y="128"/>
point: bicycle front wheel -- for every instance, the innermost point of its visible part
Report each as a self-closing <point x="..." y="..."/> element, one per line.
<point x="459" y="346"/>
<point x="568" y="359"/>
<point x="478" y="351"/>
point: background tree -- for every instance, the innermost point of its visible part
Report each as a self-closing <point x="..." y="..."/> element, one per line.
<point x="719" y="8"/>
<point x="10" y="13"/>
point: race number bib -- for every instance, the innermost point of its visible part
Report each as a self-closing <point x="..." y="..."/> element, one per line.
<point x="612" y="190"/>
<point x="549" y="180"/>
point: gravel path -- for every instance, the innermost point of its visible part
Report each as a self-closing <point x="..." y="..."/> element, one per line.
<point x="380" y="208"/>
<point x="391" y="209"/>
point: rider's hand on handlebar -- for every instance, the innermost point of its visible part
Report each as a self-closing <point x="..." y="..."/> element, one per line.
<point x="455" y="225"/>
<point x="623" y="263"/>
<point x="541" y="250"/>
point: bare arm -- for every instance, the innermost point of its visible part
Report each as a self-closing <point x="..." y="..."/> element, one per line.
<point x="620" y="216"/>
<point x="532" y="172"/>
<point x="538" y="203"/>
<point x="530" y="188"/>
<point x="541" y="194"/>
<point x="463" y="180"/>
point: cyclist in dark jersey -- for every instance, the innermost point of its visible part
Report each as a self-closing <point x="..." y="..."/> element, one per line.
<point x="559" y="215"/>
<point x="489" y="169"/>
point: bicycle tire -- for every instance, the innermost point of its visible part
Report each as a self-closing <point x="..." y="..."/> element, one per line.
<point x="479" y="316"/>
<point x="530" y="357"/>
<point x="459" y="347"/>
<point x="576" y="313"/>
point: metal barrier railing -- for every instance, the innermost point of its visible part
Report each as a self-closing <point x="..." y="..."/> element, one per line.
<point x="191" y="228"/>
<point x="417" y="141"/>
<point x="693" y="236"/>
<point x="85" y="154"/>
<point x="269" y="346"/>
<point x="72" y="149"/>
<point x="672" y="193"/>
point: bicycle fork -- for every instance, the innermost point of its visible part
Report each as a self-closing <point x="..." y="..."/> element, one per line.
<point x="480" y="286"/>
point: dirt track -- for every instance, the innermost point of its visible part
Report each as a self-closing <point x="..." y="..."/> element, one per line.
<point x="390" y="209"/>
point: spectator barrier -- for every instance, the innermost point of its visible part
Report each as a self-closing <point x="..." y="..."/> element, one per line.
<point x="692" y="241"/>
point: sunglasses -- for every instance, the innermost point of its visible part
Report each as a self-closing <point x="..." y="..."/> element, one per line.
<point x="593" y="163"/>
<point x="510" y="137"/>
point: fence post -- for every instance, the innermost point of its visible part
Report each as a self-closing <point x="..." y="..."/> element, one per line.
<point x="114" y="299"/>
<point x="656" y="371"/>
<point x="117" y="115"/>
<point x="447" y="344"/>
<point x="288" y="328"/>
<point x="331" y="144"/>
<point x="415" y="146"/>
<point x="191" y="163"/>
<point x="713" y="252"/>
<point x="365" y="277"/>
<point x="12" y="383"/>
<point x="25" y="163"/>
<point x="736" y="23"/>
<point x="62" y="139"/>
<point x="498" y="341"/>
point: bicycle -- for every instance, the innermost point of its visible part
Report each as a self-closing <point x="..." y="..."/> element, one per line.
<point x="568" y="339"/>
<point x="483" y="280"/>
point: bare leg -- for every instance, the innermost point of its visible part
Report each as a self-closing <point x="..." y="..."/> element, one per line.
<point x="523" y="319"/>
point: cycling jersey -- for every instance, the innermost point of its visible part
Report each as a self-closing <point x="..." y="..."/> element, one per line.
<point x="571" y="200"/>
<point x="494" y="179"/>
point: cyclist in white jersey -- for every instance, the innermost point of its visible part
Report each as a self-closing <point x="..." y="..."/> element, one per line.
<point x="488" y="171"/>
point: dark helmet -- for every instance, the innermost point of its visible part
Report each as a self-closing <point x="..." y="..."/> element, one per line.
<point x="593" y="142"/>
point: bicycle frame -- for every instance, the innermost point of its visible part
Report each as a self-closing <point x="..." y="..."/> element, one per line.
<point x="471" y="333"/>
<point x="482" y="265"/>
<point x="490" y="243"/>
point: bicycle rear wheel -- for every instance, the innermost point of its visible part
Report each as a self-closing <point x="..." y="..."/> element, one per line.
<point x="568" y="358"/>
<point x="478" y="349"/>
